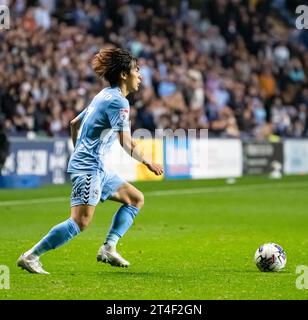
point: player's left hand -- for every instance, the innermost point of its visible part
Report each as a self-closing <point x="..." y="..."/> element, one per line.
<point x="156" y="168"/>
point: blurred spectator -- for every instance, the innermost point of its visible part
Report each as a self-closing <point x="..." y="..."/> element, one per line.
<point x="267" y="82"/>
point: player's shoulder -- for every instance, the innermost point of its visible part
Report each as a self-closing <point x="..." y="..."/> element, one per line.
<point x="112" y="96"/>
<point x="117" y="100"/>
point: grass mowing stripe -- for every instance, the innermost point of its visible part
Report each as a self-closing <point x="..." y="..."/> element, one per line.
<point x="231" y="188"/>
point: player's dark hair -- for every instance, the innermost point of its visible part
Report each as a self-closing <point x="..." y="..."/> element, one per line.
<point x="110" y="62"/>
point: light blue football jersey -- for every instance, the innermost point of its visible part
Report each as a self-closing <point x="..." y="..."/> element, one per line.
<point x="107" y="114"/>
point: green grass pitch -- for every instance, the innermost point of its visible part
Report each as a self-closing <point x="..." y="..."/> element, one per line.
<point x="192" y="240"/>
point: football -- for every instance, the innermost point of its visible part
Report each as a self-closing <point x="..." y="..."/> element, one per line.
<point x="270" y="257"/>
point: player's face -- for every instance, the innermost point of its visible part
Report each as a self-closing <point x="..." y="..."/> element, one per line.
<point x="134" y="79"/>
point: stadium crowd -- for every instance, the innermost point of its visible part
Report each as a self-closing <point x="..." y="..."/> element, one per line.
<point x="231" y="66"/>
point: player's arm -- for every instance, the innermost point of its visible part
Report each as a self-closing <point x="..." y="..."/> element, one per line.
<point x="131" y="147"/>
<point x="75" y="125"/>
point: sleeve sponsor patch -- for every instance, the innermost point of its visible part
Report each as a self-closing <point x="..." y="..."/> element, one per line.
<point x="124" y="114"/>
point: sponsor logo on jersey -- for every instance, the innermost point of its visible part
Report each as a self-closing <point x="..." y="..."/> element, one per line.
<point x="124" y="114"/>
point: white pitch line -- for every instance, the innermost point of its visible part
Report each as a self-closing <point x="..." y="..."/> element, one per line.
<point x="220" y="189"/>
<point x="231" y="188"/>
<point x="203" y="190"/>
<point x="33" y="201"/>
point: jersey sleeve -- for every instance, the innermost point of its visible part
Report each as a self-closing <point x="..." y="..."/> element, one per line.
<point x="118" y="115"/>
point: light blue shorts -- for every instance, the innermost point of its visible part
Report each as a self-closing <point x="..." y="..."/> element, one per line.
<point x="90" y="188"/>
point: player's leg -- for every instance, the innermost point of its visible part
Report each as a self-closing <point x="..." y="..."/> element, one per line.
<point x="82" y="215"/>
<point x="56" y="237"/>
<point x="82" y="210"/>
<point x="133" y="201"/>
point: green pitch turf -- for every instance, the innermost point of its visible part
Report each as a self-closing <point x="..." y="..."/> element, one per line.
<point x="192" y="240"/>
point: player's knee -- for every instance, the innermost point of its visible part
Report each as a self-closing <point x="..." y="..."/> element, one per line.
<point x="83" y="222"/>
<point x="138" y="200"/>
<point x="82" y="225"/>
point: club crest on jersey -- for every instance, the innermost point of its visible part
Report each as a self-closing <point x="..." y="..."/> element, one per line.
<point x="124" y="114"/>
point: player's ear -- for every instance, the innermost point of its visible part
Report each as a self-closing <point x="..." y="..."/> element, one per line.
<point x="123" y="75"/>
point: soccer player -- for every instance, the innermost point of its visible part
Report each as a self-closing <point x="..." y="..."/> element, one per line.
<point x="93" y="132"/>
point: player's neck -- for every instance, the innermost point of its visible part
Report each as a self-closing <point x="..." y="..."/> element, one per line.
<point x="124" y="90"/>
